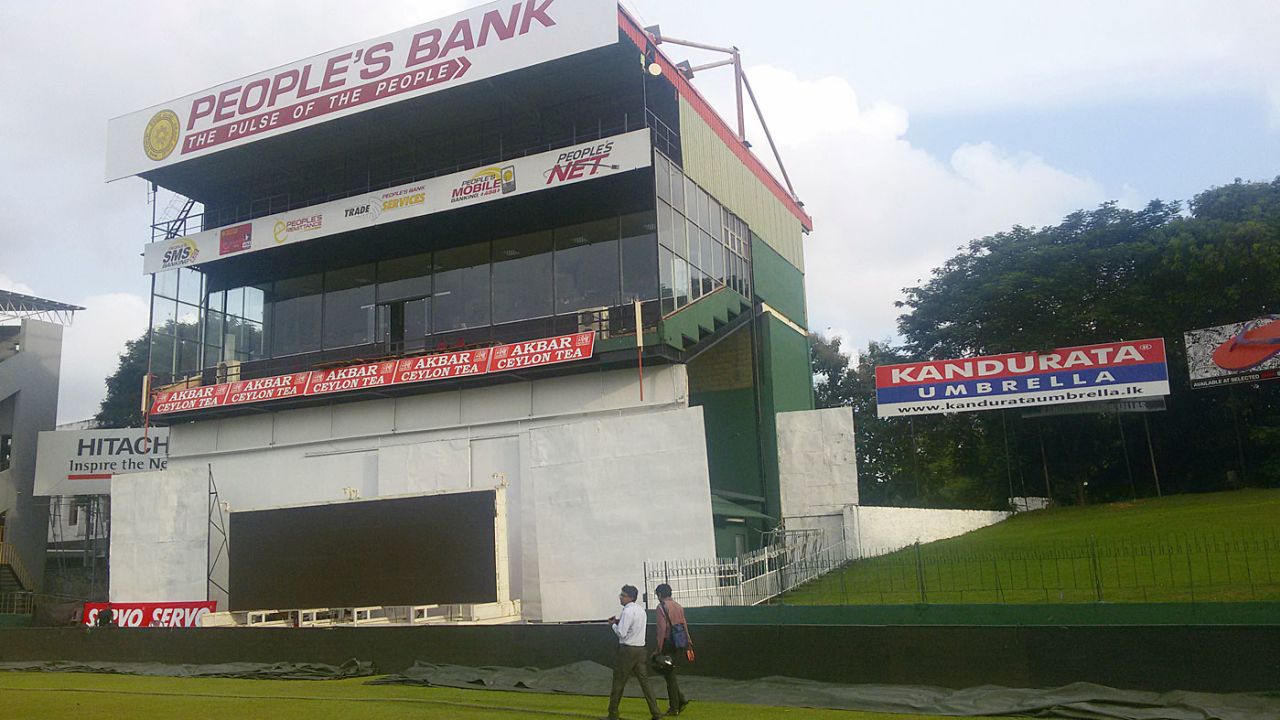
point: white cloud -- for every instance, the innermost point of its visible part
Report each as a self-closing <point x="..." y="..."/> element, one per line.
<point x="8" y="283"/>
<point x="886" y="213"/>
<point x="91" y="349"/>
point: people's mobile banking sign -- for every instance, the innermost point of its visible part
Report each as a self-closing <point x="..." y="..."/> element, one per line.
<point x="1110" y="371"/>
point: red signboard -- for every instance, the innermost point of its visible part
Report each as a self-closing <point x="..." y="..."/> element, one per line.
<point x="169" y="614"/>
<point x="440" y="366"/>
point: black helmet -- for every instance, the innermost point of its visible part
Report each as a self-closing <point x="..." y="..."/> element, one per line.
<point x="661" y="663"/>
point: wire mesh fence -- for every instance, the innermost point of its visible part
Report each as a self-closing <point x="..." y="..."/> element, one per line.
<point x="1188" y="568"/>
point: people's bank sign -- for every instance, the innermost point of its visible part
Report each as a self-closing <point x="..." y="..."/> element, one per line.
<point x="1088" y="373"/>
<point x="473" y="45"/>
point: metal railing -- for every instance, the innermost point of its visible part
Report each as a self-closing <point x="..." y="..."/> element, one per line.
<point x="9" y="556"/>
<point x="789" y="559"/>
<point x="1186" y="568"/>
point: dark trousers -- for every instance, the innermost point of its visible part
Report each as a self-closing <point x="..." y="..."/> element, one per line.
<point x="631" y="661"/>
<point x="676" y="698"/>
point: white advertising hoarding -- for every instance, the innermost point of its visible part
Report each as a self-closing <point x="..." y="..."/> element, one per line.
<point x="476" y="44"/>
<point x="564" y="166"/>
<point x="82" y="462"/>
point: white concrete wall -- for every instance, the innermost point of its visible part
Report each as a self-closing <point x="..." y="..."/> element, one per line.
<point x="452" y="440"/>
<point x="817" y="468"/>
<point x="159" y="536"/>
<point x="605" y="496"/>
<point x="28" y="404"/>
<point x="880" y="530"/>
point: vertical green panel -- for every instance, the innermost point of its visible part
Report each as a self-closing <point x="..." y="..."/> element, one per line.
<point x="777" y="282"/>
<point x="786" y="383"/>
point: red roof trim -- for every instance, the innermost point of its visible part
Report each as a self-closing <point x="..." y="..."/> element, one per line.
<point x="629" y="26"/>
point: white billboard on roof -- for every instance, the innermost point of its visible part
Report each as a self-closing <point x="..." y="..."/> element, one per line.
<point x="480" y="43"/>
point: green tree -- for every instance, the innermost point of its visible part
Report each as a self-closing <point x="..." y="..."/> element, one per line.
<point x="122" y="407"/>
<point x="1103" y="275"/>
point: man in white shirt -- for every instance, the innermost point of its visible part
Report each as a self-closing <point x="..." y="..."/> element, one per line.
<point x="629" y="626"/>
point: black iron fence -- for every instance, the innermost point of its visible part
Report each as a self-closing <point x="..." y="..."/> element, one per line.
<point x="1185" y="568"/>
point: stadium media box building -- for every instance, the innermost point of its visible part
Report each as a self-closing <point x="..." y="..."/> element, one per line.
<point x="396" y="327"/>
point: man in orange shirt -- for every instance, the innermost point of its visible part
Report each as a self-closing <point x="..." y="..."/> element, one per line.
<point x="671" y="617"/>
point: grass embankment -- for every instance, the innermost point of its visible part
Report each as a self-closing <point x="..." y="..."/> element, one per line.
<point x="1218" y="547"/>
<point x="59" y="696"/>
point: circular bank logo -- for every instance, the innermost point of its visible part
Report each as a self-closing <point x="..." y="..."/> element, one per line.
<point x="162" y="134"/>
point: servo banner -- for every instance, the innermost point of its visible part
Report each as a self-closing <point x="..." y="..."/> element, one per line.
<point x="169" y="614"/>
<point x="564" y="166"/>
<point x="440" y="366"/>
<point x="476" y="44"/>
<point x="1110" y="371"/>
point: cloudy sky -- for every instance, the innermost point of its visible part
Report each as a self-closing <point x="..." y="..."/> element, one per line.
<point x="908" y="127"/>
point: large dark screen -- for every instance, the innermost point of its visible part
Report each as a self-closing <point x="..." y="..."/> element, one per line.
<point x="434" y="549"/>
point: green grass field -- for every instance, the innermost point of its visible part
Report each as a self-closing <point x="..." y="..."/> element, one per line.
<point x="1220" y="547"/>
<point x="75" y="696"/>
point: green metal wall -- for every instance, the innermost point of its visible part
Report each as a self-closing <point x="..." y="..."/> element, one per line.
<point x="713" y="165"/>
<point x="778" y="283"/>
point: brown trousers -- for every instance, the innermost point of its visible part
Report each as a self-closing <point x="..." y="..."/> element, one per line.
<point x="631" y="661"/>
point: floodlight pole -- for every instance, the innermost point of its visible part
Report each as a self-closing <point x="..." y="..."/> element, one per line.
<point x="740" y="82"/>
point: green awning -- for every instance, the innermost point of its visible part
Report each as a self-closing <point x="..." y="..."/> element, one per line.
<point x="726" y="508"/>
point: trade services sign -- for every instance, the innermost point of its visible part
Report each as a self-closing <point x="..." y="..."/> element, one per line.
<point x="406" y="371"/>
<point x="82" y="462"/>
<point x="1237" y="353"/>
<point x="1088" y="373"/>
<point x="564" y="166"/>
<point x="476" y="44"/>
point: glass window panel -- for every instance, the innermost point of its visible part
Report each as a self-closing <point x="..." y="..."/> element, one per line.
<point x="404" y="277"/>
<point x="234" y="301"/>
<point x="700" y="215"/>
<point x="188" y="323"/>
<point x="707" y="252"/>
<point x="162" y="357"/>
<point x="665" y="235"/>
<point x="717" y="262"/>
<point x="522" y="277"/>
<point x="214" y="327"/>
<point x="677" y="188"/>
<point x="215" y="302"/>
<point x="639" y="257"/>
<point x="188" y="357"/>
<point x="167" y="284"/>
<point x="295" y="315"/>
<point x="461" y="295"/>
<point x="666" y="260"/>
<point x="190" y="286"/>
<point x="250" y="342"/>
<point x="715" y="219"/>
<point x="662" y="176"/>
<point x="680" y="281"/>
<point x="255" y="302"/>
<point x="164" y="315"/>
<point x="587" y="266"/>
<point x="348" y="306"/>
<point x="694" y="255"/>
<point x="417" y="321"/>
<point x="690" y="197"/>
<point x="695" y="284"/>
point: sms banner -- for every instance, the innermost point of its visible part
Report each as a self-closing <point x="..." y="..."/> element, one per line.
<point x="1087" y="373"/>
